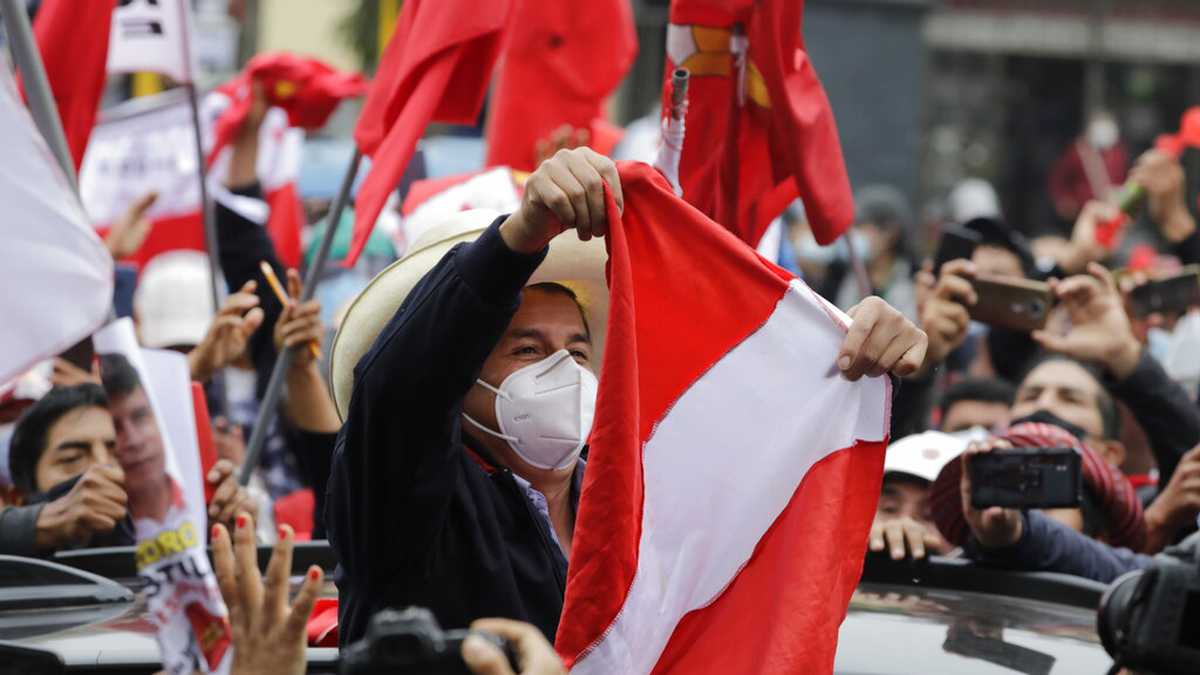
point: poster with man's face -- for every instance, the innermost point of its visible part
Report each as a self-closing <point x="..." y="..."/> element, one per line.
<point x="149" y="395"/>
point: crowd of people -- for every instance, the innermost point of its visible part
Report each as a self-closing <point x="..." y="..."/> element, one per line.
<point x="1095" y="378"/>
<point x="432" y="493"/>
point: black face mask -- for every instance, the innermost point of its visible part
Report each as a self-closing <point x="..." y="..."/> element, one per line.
<point x="1011" y="351"/>
<point x="54" y="492"/>
<point x="1047" y="417"/>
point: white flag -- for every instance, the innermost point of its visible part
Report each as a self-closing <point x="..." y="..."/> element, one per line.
<point x="151" y="36"/>
<point x="56" y="275"/>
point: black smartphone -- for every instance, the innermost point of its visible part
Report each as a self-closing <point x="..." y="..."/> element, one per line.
<point x="1174" y="294"/>
<point x="956" y="242"/>
<point x="1026" y="478"/>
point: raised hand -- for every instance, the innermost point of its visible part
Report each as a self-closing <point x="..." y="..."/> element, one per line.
<point x="129" y="231"/>
<point x="268" y="634"/>
<point x="299" y="325"/>
<point x="1084" y="248"/>
<point x="566" y="192"/>
<point x="229" y="498"/>
<point x="993" y="527"/>
<point x="1100" y="330"/>
<point x="229" y="334"/>
<point x="1177" y="505"/>
<point x="945" y="317"/>
<point x="1162" y="176"/>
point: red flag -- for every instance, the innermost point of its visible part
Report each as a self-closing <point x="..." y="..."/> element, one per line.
<point x="760" y="131"/>
<point x="436" y="42"/>
<point x="560" y="62"/>
<point x="306" y="89"/>
<point x="690" y="521"/>
<point x="72" y="38"/>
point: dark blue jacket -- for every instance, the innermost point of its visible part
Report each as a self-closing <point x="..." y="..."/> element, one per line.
<point x="413" y="517"/>
<point x="1047" y="545"/>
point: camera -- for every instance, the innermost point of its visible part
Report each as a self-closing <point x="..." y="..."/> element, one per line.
<point x="1149" y="619"/>
<point x="1026" y="478"/>
<point x="411" y="641"/>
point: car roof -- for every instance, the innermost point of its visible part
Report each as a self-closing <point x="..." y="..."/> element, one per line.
<point x="893" y="629"/>
<point x="937" y="616"/>
<point x="952" y="616"/>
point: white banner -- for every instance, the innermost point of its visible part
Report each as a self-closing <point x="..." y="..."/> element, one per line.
<point x="129" y="155"/>
<point x="166" y="502"/>
<point x="56" y="273"/>
<point x="151" y="36"/>
<point x="148" y="144"/>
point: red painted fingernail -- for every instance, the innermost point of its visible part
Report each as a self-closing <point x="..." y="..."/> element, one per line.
<point x="314" y="573"/>
<point x="216" y="530"/>
<point x="283" y="532"/>
<point x="241" y="521"/>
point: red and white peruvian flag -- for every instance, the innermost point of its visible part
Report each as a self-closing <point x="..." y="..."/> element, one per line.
<point x="733" y="472"/>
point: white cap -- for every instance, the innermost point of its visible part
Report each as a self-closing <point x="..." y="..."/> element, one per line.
<point x="923" y="455"/>
<point x="173" y="301"/>
<point x="973" y="198"/>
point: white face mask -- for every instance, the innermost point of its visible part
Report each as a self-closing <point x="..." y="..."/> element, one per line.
<point x="545" y="410"/>
<point x="1103" y="133"/>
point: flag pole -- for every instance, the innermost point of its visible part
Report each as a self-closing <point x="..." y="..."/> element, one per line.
<point x="37" y="86"/>
<point x="207" y="216"/>
<point x="206" y="207"/>
<point x="266" y="410"/>
<point x="672" y="133"/>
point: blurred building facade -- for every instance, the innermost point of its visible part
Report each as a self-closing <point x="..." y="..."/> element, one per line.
<point x="1010" y="84"/>
<point x="928" y="93"/>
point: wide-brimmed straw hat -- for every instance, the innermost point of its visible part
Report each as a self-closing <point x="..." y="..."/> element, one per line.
<point x="575" y="264"/>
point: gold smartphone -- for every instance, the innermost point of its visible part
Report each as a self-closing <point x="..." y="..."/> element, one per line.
<point x="1016" y="304"/>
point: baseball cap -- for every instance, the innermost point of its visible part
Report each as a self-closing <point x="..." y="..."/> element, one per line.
<point x="923" y="455"/>
<point x="995" y="232"/>
<point x="173" y="301"/>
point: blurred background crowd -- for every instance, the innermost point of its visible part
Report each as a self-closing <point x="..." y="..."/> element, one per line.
<point x="1015" y="124"/>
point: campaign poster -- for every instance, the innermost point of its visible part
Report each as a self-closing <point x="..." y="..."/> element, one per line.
<point x="150" y="399"/>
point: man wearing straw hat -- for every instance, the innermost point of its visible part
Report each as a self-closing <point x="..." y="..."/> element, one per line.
<point x="464" y="374"/>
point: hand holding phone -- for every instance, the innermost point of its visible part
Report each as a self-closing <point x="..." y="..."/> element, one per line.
<point x="1026" y="478"/>
<point x="1174" y="294"/>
